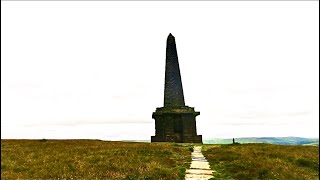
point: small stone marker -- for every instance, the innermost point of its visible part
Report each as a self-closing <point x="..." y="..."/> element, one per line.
<point x="199" y="168"/>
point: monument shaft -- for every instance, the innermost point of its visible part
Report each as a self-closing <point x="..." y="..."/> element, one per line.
<point x="174" y="122"/>
<point x="173" y="92"/>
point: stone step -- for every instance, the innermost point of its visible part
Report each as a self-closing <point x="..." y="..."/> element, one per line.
<point x="199" y="159"/>
<point x="199" y="165"/>
<point x="198" y="176"/>
<point x="199" y="171"/>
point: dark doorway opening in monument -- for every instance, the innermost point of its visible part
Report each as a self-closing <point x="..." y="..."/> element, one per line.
<point x="177" y="129"/>
<point x="177" y="126"/>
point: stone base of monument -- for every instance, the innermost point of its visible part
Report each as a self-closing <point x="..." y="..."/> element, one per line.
<point x="186" y="139"/>
<point x="176" y="124"/>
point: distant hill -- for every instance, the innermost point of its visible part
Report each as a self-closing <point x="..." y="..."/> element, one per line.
<point x="270" y="140"/>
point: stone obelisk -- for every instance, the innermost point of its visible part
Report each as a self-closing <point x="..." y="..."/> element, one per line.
<point x="175" y="122"/>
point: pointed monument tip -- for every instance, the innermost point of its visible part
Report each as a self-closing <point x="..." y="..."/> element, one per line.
<point x="170" y="38"/>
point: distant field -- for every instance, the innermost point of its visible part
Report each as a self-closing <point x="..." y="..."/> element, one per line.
<point x="270" y="140"/>
<point x="263" y="161"/>
<point x="92" y="159"/>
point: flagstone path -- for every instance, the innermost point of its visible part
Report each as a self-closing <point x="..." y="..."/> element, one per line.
<point x="199" y="168"/>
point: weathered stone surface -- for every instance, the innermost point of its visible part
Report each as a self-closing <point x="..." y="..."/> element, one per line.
<point x="173" y="92"/>
<point x="174" y="122"/>
<point x="198" y="176"/>
<point x="199" y="171"/>
<point x="199" y="165"/>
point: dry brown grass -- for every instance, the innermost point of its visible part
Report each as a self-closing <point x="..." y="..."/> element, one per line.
<point x="92" y="159"/>
<point x="263" y="161"/>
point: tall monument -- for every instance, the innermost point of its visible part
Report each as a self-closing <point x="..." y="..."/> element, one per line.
<point x="175" y="122"/>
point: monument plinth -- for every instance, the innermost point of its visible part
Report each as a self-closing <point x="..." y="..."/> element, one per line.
<point x="175" y="122"/>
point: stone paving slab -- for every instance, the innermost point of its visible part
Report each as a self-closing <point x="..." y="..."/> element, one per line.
<point x="199" y="165"/>
<point x="199" y="158"/>
<point x="198" y="176"/>
<point x="199" y="171"/>
<point x="197" y="155"/>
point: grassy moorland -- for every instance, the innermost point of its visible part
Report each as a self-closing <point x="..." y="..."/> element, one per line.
<point x="263" y="161"/>
<point x="92" y="159"/>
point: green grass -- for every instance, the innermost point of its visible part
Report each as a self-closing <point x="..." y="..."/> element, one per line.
<point x="263" y="161"/>
<point x="92" y="159"/>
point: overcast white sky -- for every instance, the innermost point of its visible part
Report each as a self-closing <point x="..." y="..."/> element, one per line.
<point x="96" y="69"/>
